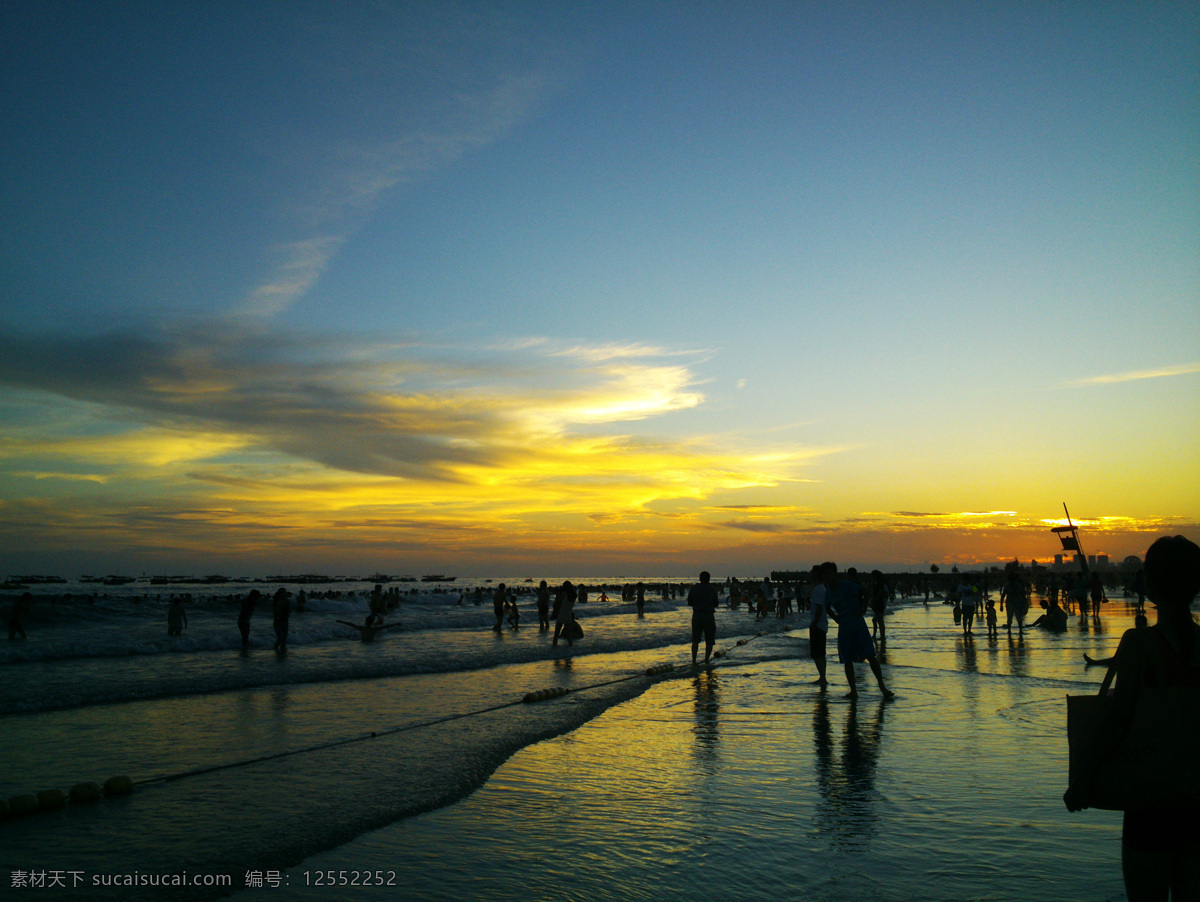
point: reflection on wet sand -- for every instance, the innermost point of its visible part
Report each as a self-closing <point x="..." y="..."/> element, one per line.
<point x="706" y="751"/>
<point x="846" y="810"/>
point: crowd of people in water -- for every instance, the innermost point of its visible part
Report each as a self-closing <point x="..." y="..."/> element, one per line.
<point x="969" y="594"/>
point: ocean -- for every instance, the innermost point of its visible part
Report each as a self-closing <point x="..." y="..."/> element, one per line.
<point x="411" y="767"/>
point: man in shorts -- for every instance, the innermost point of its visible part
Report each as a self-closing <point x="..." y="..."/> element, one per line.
<point x="703" y="601"/>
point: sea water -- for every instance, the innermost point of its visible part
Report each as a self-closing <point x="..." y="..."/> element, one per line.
<point x="747" y="782"/>
<point x="340" y="763"/>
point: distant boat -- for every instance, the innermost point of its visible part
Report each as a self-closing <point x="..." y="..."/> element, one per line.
<point x="119" y="580"/>
<point x="436" y="578"/>
<point x="378" y="578"/>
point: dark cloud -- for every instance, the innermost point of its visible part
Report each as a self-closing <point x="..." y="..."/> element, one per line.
<point x="310" y="399"/>
<point x="754" y="526"/>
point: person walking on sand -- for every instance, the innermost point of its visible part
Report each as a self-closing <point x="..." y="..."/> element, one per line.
<point x="565" y="617"/>
<point x="1158" y="845"/>
<point x="176" y="617"/>
<point x="818" y="625"/>
<point x="848" y="607"/>
<point x="703" y="600"/>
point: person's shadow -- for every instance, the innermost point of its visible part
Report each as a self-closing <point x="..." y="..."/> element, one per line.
<point x="846" y="780"/>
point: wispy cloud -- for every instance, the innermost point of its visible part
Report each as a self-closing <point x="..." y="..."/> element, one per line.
<point x="447" y="86"/>
<point x="1183" y="369"/>
<point x="298" y="266"/>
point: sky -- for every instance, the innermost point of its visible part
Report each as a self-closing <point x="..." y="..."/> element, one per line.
<point x="595" y="287"/>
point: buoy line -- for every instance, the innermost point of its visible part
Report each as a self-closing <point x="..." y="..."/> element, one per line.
<point x="87" y="792"/>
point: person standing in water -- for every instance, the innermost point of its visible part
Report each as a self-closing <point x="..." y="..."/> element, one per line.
<point x="244" y="615"/>
<point x="703" y="600"/>
<point x="176" y="617"/>
<point x="879" y="601"/>
<point x="565" y="617"/>
<point x="499" y="601"/>
<point x="281" y="612"/>
<point x="543" y="606"/>
<point x="847" y="607"/>
<point x="1016" y="599"/>
<point x="818" y="625"/>
<point x="20" y="608"/>
<point x="969" y="598"/>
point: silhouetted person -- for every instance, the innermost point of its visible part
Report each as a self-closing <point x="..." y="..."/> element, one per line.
<point x="641" y="600"/>
<point x="565" y="618"/>
<point x="879" y="599"/>
<point x="703" y="600"/>
<point x="512" y="612"/>
<point x="1055" y="618"/>
<point x="499" y="600"/>
<point x="281" y="612"/>
<point x="847" y="607"/>
<point x="543" y="605"/>
<point x="1158" y="847"/>
<point x="20" y="608"/>
<point x="1079" y="593"/>
<point x="968" y="599"/>
<point x="1015" y="596"/>
<point x="818" y="625"/>
<point x="176" y="618"/>
<point x="373" y="626"/>
<point x="246" y="613"/>
<point x="1138" y="588"/>
<point x="378" y="600"/>
<point x="1096" y="589"/>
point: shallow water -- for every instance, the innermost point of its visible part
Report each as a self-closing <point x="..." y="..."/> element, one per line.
<point x="743" y="778"/>
<point x="747" y="782"/>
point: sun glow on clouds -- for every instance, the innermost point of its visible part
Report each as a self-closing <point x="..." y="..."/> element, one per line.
<point x="239" y="438"/>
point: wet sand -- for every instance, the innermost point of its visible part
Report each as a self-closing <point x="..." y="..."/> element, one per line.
<point x="747" y="782"/>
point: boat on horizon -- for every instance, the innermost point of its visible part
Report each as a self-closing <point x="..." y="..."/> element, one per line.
<point x="436" y="578"/>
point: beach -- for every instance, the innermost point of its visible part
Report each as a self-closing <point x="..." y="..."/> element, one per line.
<point x="742" y="780"/>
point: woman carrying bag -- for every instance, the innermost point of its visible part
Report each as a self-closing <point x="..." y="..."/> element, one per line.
<point x="1141" y="758"/>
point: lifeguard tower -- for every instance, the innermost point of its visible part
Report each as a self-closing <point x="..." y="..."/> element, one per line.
<point x="1069" y="536"/>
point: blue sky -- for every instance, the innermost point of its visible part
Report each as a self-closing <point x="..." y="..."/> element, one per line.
<point x="596" y="283"/>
